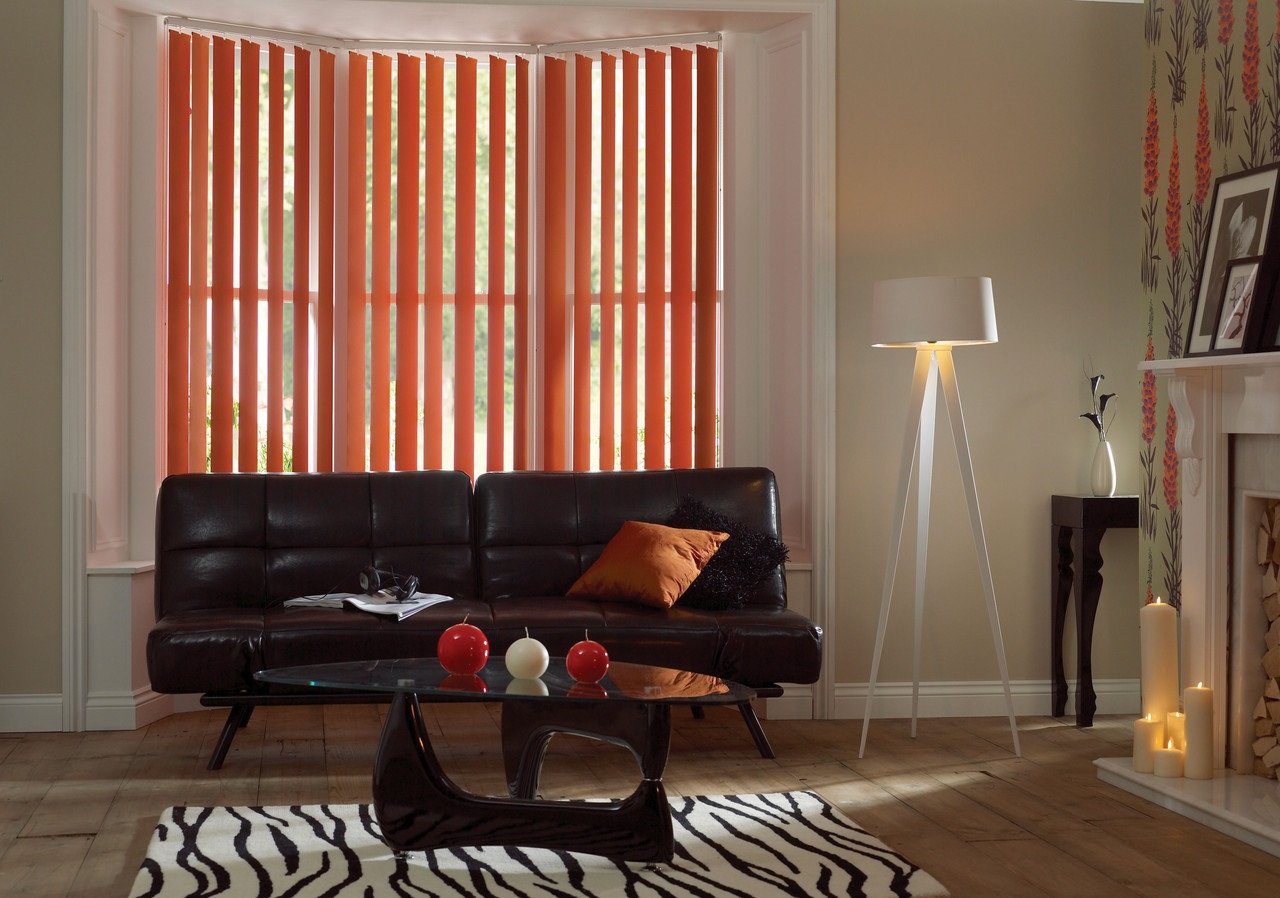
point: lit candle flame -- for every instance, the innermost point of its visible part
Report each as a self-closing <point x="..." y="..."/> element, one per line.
<point x="1170" y="745"/>
<point x="1200" y="685"/>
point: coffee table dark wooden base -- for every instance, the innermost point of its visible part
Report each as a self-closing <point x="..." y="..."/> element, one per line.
<point x="420" y="809"/>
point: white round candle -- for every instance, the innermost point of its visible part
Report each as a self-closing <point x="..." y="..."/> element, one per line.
<point x="1198" y="700"/>
<point x="1159" y="644"/>
<point x="1168" y="762"/>
<point x="1175" y="729"/>
<point x="1148" y="735"/>
<point x="527" y="659"/>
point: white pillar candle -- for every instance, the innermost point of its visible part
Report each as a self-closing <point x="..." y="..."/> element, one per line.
<point x="1148" y="735"/>
<point x="1159" y="638"/>
<point x="1175" y="729"/>
<point x="1168" y="762"/>
<point x="1198" y="700"/>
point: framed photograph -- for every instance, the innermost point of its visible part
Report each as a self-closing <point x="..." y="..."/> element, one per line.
<point x="1242" y="227"/>
<point x="1240" y="303"/>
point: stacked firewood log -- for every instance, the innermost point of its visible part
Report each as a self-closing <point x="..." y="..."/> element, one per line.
<point x="1266" y="714"/>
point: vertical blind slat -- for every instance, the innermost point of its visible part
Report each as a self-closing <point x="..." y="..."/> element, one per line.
<point x="224" y="243"/>
<point x="325" y="288"/>
<point x="301" y="259"/>
<point x="408" y="81"/>
<point x="247" y="373"/>
<point x="355" y="458"/>
<point x="198" y="408"/>
<point x="554" y="280"/>
<point x="380" y="297"/>
<point x="655" y="258"/>
<point x="708" y="252"/>
<point x="464" y="268"/>
<point x="275" y="258"/>
<point x="629" y="402"/>
<point x="433" y="266"/>
<point x="178" y="302"/>
<point x="496" y="375"/>
<point x="681" y="258"/>
<point x="608" y="260"/>
<point x="581" y="166"/>
<point x="520" y="405"/>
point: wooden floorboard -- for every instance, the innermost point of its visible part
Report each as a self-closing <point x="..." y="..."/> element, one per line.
<point x="77" y="809"/>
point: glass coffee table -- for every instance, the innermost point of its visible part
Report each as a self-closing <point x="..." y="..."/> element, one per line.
<point x="420" y="809"/>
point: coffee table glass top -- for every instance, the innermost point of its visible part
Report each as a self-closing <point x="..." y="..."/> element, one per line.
<point x="425" y="677"/>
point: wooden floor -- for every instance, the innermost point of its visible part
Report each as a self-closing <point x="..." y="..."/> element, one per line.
<point x="77" y="809"/>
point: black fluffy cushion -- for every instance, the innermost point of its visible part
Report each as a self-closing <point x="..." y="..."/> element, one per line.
<point x="746" y="558"/>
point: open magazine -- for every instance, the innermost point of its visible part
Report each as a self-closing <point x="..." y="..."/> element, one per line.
<point x="384" y="602"/>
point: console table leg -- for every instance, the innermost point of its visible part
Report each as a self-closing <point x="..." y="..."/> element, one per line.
<point x="1088" y="593"/>
<point x="1062" y="580"/>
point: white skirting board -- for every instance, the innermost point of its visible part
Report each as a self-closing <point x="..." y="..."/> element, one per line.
<point x="971" y="698"/>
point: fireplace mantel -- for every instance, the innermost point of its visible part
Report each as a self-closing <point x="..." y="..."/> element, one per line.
<point x="1219" y="394"/>
<point x="1214" y="398"/>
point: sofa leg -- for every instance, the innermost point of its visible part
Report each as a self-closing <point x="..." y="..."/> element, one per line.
<point x="237" y="717"/>
<point x="757" y="731"/>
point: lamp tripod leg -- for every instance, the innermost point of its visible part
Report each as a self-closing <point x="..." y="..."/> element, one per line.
<point x="924" y="494"/>
<point x="919" y="378"/>
<point x="951" y="391"/>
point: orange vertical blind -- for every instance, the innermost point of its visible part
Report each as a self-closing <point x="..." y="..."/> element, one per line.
<point x="325" y="251"/>
<point x="496" y="373"/>
<point x="655" y="259"/>
<point x="198" y="408"/>
<point x="629" y="401"/>
<point x="433" y="227"/>
<point x="356" y="458"/>
<point x="520" y="375"/>
<point x="408" y="80"/>
<point x="608" y="232"/>
<point x="380" y="296"/>
<point x="706" y="385"/>
<point x="223" y="240"/>
<point x="431" y="285"/>
<point x="247" y="369"/>
<point x="681" y="258"/>
<point x="301" y="455"/>
<point x="464" y="268"/>
<point x="178" y="303"/>
<point x="554" y="281"/>
<point x="582" y="178"/>
<point x="275" y="259"/>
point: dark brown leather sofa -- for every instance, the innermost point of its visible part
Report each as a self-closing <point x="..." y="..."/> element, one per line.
<point x="231" y="548"/>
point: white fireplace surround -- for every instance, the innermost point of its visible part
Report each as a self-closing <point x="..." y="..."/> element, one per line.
<point x="1216" y="398"/>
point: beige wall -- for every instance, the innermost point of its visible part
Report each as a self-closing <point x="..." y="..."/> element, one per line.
<point x="999" y="138"/>
<point x="31" y="345"/>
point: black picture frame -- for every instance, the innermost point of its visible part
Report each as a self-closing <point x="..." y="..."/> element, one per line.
<point x="1243" y="226"/>
<point x="1242" y="303"/>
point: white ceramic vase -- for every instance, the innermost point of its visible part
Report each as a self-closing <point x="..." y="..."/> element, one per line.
<point x="1104" y="470"/>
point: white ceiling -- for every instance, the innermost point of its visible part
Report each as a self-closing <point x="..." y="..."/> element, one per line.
<point x="472" y="21"/>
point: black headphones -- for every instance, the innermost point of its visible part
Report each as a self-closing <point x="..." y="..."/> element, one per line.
<point x="373" y="581"/>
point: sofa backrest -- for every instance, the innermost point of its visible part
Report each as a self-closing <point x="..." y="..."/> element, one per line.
<point x="254" y="540"/>
<point x="537" y="531"/>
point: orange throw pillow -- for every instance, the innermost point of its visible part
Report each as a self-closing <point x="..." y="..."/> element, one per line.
<point x="648" y="563"/>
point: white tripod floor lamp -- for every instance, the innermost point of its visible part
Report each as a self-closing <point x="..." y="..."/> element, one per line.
<point x="931" y="315"/>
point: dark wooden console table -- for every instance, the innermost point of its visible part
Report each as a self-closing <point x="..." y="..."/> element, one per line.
<point x="1079" y="523"/>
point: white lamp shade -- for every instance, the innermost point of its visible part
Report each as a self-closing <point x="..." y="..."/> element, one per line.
<point x="930" y="310"/>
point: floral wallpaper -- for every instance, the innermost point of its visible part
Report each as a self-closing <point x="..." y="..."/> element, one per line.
<point x="1213" y="108"/>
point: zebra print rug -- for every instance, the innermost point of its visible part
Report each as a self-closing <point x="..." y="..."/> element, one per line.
<point x="755" y="846"/>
